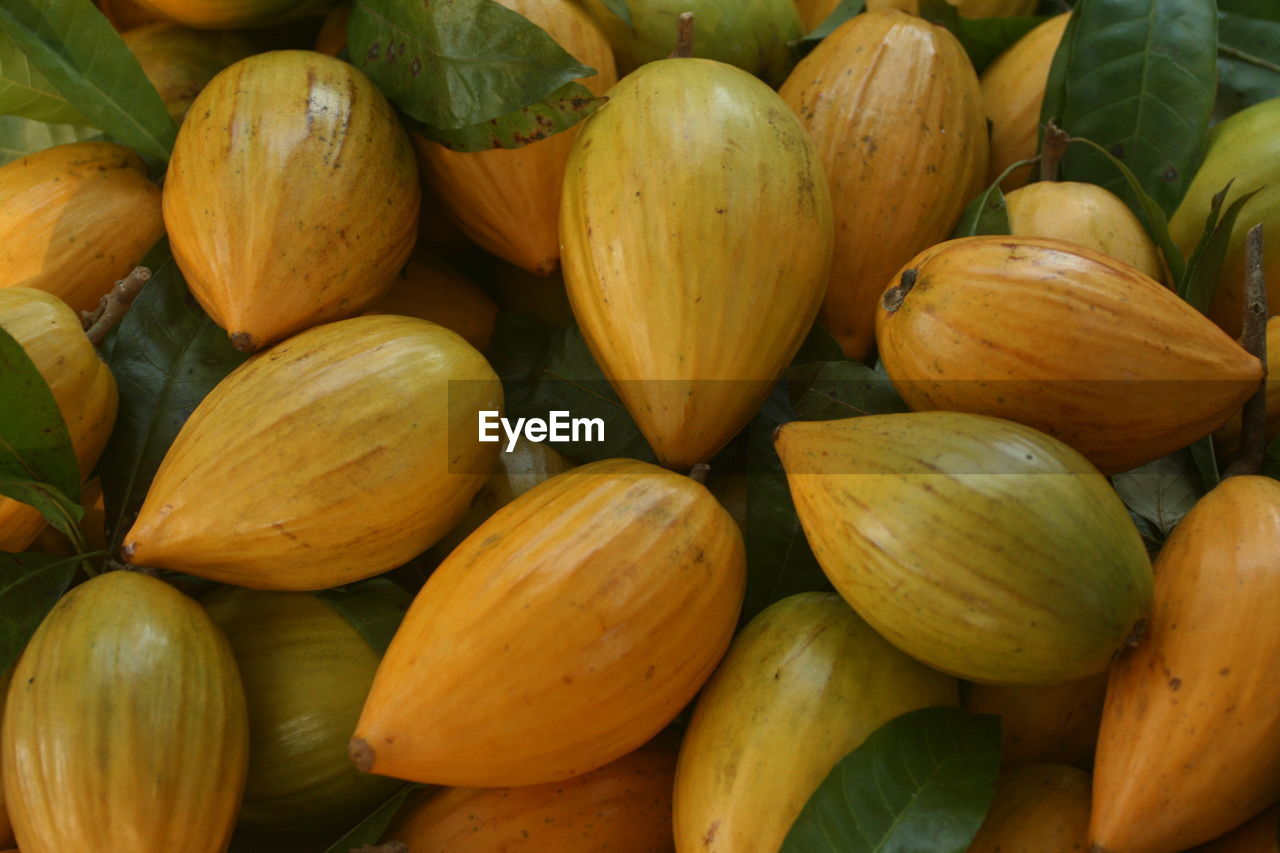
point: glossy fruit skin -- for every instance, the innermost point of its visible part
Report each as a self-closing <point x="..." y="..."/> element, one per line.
<point x="1012" y="95"/>
<point x="749" y="34"/>
<point x="565" y="632"/>
<point x="1065" y="340"/>
<point x="82" y="385"/>
<point x="233" y="14"/>
<point x="306" y="212"/>
<point x="893" y="105"/>
<point x="125" y="728"/>
<point x="180" y="61"/>
<point x="1190" y="741"/>
<point x="332" y="457"/>
<point x="508" y="200"/>
<point x="432" y="289"/>
<point x="1038" y="808"/>
<point x="623" y="807"/>
<point x="1087" y="215"/>
<point x="978" y="546"/>
<point x="1260" y="835"/>
<point x="76" y="218"/>
<point x="1057" y="724"/>
<point x="802" y="686"/>
<point x="306" y="671"/>
<point x="669" y="276"/>
<point x="1243" y="148"/>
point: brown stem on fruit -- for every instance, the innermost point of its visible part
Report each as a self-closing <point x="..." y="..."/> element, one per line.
<point x="243" y="341"/>
<point x="1052" y="151"/>
<point x="698" y="473"/>
<point x="1253" y="425"/>
<point x="361" y="754"/>
<point x="1136" y="634"/>
<point x="894" y="296"/>
<point x="114" y="305"/>
<point x="684" y="37"/>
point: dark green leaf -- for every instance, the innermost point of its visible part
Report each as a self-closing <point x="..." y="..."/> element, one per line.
<point x="818" y="345"/>
<point x="621" y="9"/>
<point x="80" y="53"/>
<point x="921" y="782"/>
<point x="371" y="829"/>
<point x="457" y="64"/>
<point x="1248" y="55"/>
<point x="373" y="607"/>
<point x="58" y="509"/>
<point x="988" y="213"/>
<point x="1138" y="77"/>
<point x="841" y="389"/>
<point x="166" y="356"/>
<point x="1205" y="264"/>
<point x="843" y="11"/>
<point x="1205" y="461"/>
<point x="25" y="92"/>
<point x="30" y="584"/>
<point x="561" y="110"/>
<point x="22" y="136"/>
<point x="34" y="443"/>
<point x="982" y="38"/>
<point x="1163" y="491"/>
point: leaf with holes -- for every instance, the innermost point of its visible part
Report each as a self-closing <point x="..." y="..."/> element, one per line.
<point x="561" y="110"/>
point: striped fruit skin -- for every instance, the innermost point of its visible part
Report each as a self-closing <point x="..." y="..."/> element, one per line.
<point x="802" y="686"/>
<point x="1063" y="339"/>
<point x="83" y="387"/>
<point x="125" y="728"/>
<point x="292" y="196"/>
<point x="1057" y="724"/>
<point x="1190" y="739"/>
<point x="696" y="230"/>
<point x="180" y="61"/>
<point x="1038" y="808"/>
<point x="565" y="632"/>
<point x="981" y="547"/>
<point x="893" y="105"/>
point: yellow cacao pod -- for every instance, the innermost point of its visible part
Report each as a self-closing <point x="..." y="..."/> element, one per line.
<point x="1260" y="835"/>
<point x="434" y="290"/>
<point x="124" y="15"/>
<point x="231" y="14"/>
<point x="1039" y="808"/>
<point x="180" y="61"/>
<point x="1057" y="724"/>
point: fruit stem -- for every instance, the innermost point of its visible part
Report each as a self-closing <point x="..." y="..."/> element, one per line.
<point x="1052" y="151"/>
<point x="684" y="37"/>
<point x="698" y="473"/>
<point x="1253" y="426"/>
<point x="114" y="305"/>
<point x="894" y="296"/>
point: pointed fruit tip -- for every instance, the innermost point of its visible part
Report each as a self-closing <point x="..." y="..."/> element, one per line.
<point x="127" y="552"/>
<point x="361" y="754"/>
<point x="243" y="341"/>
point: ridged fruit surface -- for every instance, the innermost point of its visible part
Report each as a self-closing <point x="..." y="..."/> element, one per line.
<point x="623" y="807"/>
<point x="1244" y="148"/>
<point x="82" y="385"/>
<point x="306" y="672"/>
<point x="334" y="456"/>
<point x="1087" y="215"/>
<point x="565" y="632"/>
<point x="1260" y="835"/>
<point x="892" y="103"/>
<point x="978" y="546"/>
<point x="1057" y="724"/>
<point x="508" y="200"/>
<point x="1063" y="339"/>
<point x="76" y="218"/>
<point x="292" y="196"/>
<point x="1039" y="808"/>
<point x="231" y="14"/>
<point x="435" y="290"/>
<point x="966" y="8"/>
<point x="697" y="240"/>
<point x="802" y="686"/>
<point x="749" y="34"/>
<point x="1190" y="740"/>
<point x="1012" y="96"/>
<point x="125" y="728"/>
<point x="180" y="61"/>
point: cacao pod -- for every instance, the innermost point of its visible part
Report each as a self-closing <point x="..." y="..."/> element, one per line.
<point x="124" y="15"/>
<point x="1226" y="441"/>
<point x="180" y="61"/>
<point x="978" y="546"/>
<point x="670" y="275"/>
<point x="332" y="38"/>
<point x="892" y="103"/>
<point x="334" y="456"/>
<point x="1038" y="808"/>
<point x="231" y="14"/>
<point x="1260" y="835"/>
<point x="431" y="289"/>
<point x="569" y="629"/>
<point x="1057" y="724"/>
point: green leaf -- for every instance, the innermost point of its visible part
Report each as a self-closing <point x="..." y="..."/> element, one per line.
<point x="30" y="584"/>
<point x="371" y="829"/>
<point x="1138" y="77"/>
<point x="1163" y="491"/>
<point x="82" y="55"/>
<point x="988" y="213"/>
<point x="818" y="345"/>
<point x="1205" y="264"/>
<point x="1248" y="54"/>
<point x="841" y="389"/>
<point x="58" y="509"/>
<point x="922" y="781"/>
<point x="561" y="110"/>
<point x="166" y="356"/>
<point x="25" y="92"/>
<point x="621" y="9"/>
<point x="22" y="136"/>
<point x="373" y="607"/>
<point x="843" y="11"/>
<point x="982" y="38"/>
<point x="457" y="64"/>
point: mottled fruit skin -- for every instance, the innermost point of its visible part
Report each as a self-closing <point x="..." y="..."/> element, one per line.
<point x="569" y="629"/>
<point x="1190" y="739"/>
<point x="978" y="546"/>
<point x="76" y="218"/>
<point x="1058" y="337"/>
<point x="180" y="61"/>
<point x="802" y="686"/>
<point x="1057" y="724"/>
<point x="695" y="219"/>
<point x="334" y="456"/>
<point x="232" y="14"/>
<point x="125" y="728"/>
<point x="623" y="807"/>
<point x="82" y="386"/>
<point x="1038" y="808"/>
<point x="892" y="103"/>
<point x="292" y="196"/>
<point x="435" y="290"/>
<point x="508" y="200"/>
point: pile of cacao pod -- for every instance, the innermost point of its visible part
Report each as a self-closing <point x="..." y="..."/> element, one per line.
<point x="568" y="426"/>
